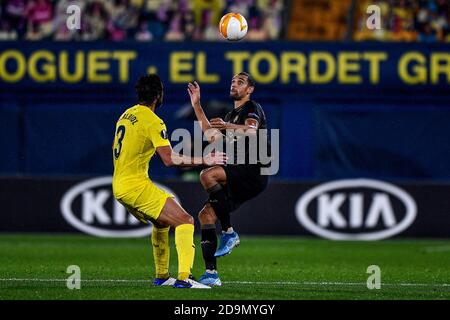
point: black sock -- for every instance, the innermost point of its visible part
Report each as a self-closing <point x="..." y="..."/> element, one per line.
<point x="219" y="201"/>
<point x="209" y="246"/>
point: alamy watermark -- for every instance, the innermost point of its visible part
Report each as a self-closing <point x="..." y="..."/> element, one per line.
<point x="241" y="147"/>
<point x="373" y="22"/>
<point x="73" y="21"/>
<point x="74" y="280"/>
<point x="374" y="280"/>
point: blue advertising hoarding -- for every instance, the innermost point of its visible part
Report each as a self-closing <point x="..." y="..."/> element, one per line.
<point x="343" y="109"/>
<point x="286" y="66"/>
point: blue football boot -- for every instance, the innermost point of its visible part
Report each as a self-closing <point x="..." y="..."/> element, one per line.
<point x="164" y="282"/>
<point x="189" y="284"/>
<point x="210" y="279"/>
<point x="227" y="242"/>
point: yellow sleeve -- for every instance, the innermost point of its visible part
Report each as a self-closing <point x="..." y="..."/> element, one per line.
<point x="158" y="134"/>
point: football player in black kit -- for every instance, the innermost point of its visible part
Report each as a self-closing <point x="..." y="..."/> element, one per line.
<point x="231" y="185"/>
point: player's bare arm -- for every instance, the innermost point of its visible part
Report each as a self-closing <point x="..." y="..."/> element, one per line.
<point x="194" y="93"/>
<point x="170" y="158"/>
<point x="250" y="127"/>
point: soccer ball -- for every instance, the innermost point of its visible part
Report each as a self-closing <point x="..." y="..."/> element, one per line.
<point x="233" y="26"/>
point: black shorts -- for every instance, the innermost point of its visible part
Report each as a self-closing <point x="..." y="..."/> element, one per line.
<point x="244" y="182"/>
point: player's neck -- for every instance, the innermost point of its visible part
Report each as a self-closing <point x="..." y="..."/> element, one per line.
<point x="238" y="103"/>
<point x="151" y="106"/>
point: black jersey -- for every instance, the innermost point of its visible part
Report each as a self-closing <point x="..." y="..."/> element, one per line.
<point x="249" y="110"/>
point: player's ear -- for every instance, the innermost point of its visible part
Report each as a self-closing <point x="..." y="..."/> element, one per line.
<point x="250" y="90"/>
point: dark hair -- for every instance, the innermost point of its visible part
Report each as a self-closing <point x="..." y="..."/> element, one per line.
<point x="148" y="88"/>
<point x="250" y="80"/>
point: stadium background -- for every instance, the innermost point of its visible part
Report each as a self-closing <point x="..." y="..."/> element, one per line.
<point x="345" y="108"/>
<point x="352" y="105"/>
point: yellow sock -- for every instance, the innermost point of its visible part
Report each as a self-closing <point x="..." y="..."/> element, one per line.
<point x="161" y="251"/>
<point x="184" y="241"/>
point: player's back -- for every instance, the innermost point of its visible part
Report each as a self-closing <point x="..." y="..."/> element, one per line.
<point x="139" y="131"/>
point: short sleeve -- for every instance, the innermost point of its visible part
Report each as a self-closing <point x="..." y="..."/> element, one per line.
<point x="252" y="115"/>
<point x="159" y="135"/>
<point x="252" y="112"/>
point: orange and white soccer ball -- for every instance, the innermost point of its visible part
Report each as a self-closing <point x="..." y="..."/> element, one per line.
<point x="233" y="26"/>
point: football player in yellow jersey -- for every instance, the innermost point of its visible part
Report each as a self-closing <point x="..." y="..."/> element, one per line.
<point x="139" y="134"/>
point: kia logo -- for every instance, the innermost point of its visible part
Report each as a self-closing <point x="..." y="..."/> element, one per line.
<point x="91" y="208"/>
<point x="356" y="209"/>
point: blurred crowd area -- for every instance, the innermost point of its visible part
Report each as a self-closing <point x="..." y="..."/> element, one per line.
<point x="406" y="20"/>
<point x="180" y="20"/>
<point x="141" y="20"/>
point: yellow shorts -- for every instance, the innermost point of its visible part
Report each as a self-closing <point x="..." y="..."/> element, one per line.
<point x="145" y="201"/>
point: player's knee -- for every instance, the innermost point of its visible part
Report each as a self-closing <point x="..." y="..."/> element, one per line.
<point x="209" y="177"/>
<point x="205" y="177"/>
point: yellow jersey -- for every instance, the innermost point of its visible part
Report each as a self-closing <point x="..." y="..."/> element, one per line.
<point x="139" y="131"/>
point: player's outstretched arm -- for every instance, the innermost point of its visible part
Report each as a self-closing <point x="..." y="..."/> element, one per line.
<point x="194" y="93"/>
<point x="170" y="158"/>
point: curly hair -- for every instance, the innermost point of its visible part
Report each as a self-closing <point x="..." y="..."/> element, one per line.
<point x="148" y="88"/>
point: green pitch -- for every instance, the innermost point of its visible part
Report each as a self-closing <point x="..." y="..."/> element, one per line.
<point x="34" y="267"/>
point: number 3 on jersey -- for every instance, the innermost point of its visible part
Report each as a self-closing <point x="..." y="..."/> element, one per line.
<point x="120" y="133"/>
